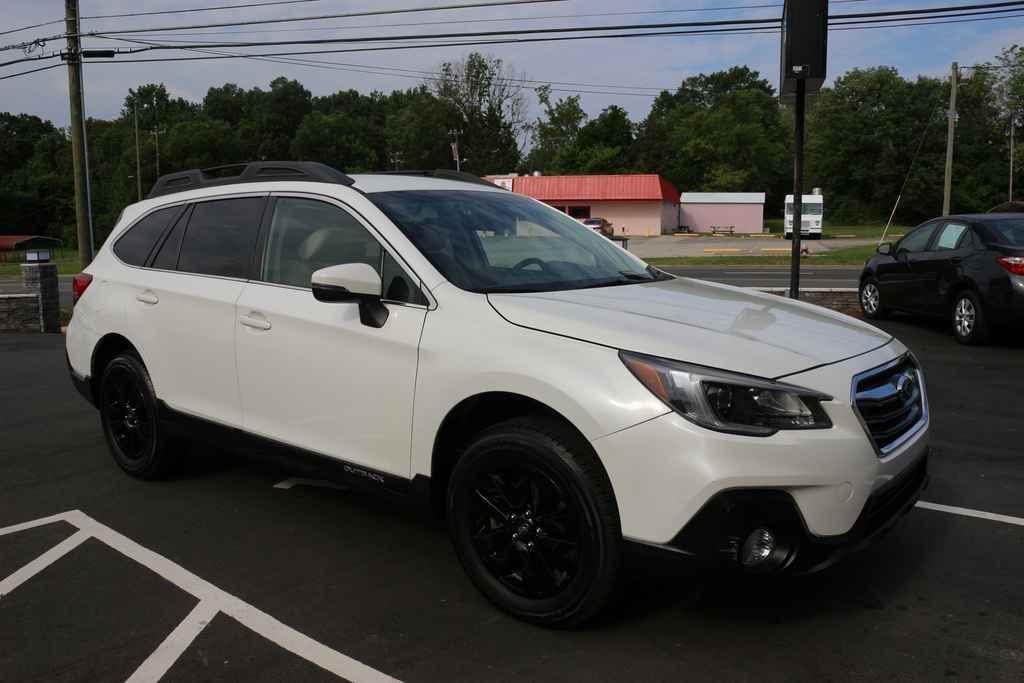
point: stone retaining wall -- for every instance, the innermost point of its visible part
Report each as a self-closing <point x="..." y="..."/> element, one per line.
<point x="19" y="313"/>
<point x="841" y="299"/>
<point x="37" y="309"/>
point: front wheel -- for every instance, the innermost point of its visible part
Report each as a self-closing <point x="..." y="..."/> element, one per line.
<point x="969" y="324"/>
<point x="871" y="300"/>
<point x="534" y="522"/>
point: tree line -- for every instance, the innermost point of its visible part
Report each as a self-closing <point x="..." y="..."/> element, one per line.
<point x="872" y="136"/>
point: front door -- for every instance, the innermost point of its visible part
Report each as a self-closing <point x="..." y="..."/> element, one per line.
<point x="899" y="278"/>
<point x="311" y="373"/>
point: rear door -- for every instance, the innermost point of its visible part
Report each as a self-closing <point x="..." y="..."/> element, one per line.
<point x="898" y="278"/>
<point x="186" y="305"/>
<point x="938" y="268"/>
<point x="311" y="373"/>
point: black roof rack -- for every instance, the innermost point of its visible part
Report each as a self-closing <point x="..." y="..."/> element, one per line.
<point x="252" y="172"/>
<point x="445" y="174"/>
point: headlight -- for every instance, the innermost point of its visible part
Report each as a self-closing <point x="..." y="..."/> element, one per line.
<point x="728" y="402"/>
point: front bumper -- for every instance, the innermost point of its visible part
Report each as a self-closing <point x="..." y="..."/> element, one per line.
<point x="677" y="484"/>
<point x="712" y="539"/>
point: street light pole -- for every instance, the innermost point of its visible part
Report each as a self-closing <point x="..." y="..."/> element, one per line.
<point x="798" y="187"/>
<point x="954" y="78"/>
<point x="1013" y="126"/>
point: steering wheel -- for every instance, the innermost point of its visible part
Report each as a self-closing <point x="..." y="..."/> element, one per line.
<point x="530" y="262"/>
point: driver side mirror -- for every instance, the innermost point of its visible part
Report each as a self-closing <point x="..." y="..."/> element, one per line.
<point x="352" y="283"/>
<point x="885" y="248"/>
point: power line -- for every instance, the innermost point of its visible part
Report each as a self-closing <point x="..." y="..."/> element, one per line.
<point x="408" y="46"/>
<point x="31" y="71"/>
<point x="215" y="8"/>
<point x="729" y="26"/>
<point x="30" y="26"/>
<point x="342" y="15"/>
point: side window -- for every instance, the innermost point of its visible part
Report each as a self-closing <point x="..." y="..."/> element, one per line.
<point x="917" y="240"/>
<point x="167" y="255"/>
<point x="307" y="235"/>
<point x="950" y="236"/>
<point x="221" y="236"/>
<point x="137" y="242"/>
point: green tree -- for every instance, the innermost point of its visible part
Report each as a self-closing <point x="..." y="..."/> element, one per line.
<point x="337" y="139"/>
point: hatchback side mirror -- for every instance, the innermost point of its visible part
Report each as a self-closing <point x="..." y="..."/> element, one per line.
<point x="885" y="248"/>
<point x="352" y="283"/>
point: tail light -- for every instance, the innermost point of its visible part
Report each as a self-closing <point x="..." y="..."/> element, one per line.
<point x="79" y="284"/>
<point x="1012" y="264"/>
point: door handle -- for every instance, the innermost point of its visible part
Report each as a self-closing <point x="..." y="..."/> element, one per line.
<point x="147" y="298"/>
<point x="956" y="260"/>
<point x="255" y="321"/>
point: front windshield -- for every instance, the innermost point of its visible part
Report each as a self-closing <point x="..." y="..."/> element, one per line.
<point x="503" y="242"/>
<point x="806" y="209"/>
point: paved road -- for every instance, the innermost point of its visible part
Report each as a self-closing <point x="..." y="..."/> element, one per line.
<point x="940" y="598"/>
<point x="771" y="276"/>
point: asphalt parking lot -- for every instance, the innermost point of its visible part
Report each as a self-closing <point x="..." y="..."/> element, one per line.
<point x="226" y="573"/>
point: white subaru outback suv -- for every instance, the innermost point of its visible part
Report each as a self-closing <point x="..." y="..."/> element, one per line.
<point x="558" y="400"/>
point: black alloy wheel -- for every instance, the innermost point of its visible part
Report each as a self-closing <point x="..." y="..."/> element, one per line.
<point x="526" y="529"/>
<point x="128" y="413"/>
<point x="535" y="523"/>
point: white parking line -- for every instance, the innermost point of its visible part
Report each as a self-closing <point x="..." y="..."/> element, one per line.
<point x="967" y="512"/>
<point x="211" y="601"/>
<point x="174" y="645"/>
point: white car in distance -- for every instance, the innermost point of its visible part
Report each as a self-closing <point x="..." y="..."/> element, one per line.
<point x="561" y="402"/>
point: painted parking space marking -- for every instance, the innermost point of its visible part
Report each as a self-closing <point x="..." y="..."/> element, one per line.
<point x="212" y="600"/>
<point x="967" y="512"/>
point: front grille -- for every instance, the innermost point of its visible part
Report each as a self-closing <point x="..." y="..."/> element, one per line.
<point x="891" y="403"/>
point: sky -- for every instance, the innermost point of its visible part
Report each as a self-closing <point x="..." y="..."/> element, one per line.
<point x="653" y="62"/>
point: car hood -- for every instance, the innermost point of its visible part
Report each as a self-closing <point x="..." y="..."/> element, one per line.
<point x="698" y="322"/>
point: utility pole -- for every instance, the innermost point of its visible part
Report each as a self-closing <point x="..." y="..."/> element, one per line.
<point x="156" y="137"/>
<point x="954" y="78"/>
<point x="1013" y="126"/>
<point x="138" y="158"/>
<point x="79" y="150"/>
<point x="798" y="186"/>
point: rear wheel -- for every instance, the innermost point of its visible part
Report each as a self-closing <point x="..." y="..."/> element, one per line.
<point x="969" y="324"/>
<point x="534" y="522"/>
<point x="871" y="300"/>
<point x="128" y="412"/>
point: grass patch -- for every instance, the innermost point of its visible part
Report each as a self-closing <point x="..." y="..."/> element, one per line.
<point x="847" y="256"/>
<point x="66" y="265"/>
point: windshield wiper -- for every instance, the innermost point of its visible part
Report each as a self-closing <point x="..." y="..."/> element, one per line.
<point x="638" y="277"/>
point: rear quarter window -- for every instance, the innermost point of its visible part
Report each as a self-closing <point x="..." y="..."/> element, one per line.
<point x="135" y="245"/>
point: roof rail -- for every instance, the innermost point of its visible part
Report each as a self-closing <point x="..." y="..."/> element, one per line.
<point x="445" y="174"/>
<point x="252" y="172"/>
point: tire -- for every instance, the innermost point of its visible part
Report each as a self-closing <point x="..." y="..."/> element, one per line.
<point x="969" y="324"/>
<point x="534" y="522"/>
<point x="128" y="413"/>
<point x="870" y="298"/>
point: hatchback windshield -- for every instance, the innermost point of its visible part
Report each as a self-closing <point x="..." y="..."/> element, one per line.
<point x="503" y="242"/>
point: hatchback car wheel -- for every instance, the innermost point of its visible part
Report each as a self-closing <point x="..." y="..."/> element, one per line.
<point x="128" y="413"/>
<point x="534" y="522"/>
<point x="871" y="300"/>
<point x="969" y="325"/>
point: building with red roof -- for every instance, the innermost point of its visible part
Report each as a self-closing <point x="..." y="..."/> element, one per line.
<point x="635" y="204"/>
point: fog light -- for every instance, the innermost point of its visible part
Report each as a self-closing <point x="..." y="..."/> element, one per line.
<point x="758" y="548"/>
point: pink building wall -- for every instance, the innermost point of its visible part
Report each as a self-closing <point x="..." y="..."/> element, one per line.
<point x="639" y="218"/>
<point x="746" y="218"/>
